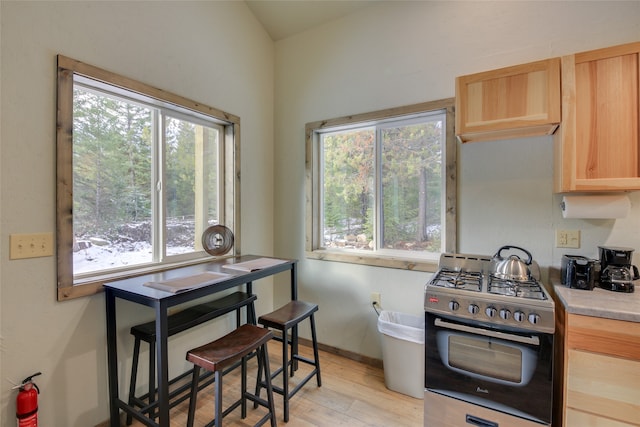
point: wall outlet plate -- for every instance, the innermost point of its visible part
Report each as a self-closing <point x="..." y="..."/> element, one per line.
<point x="375" y="298"/>
<point x="568" y="239"/>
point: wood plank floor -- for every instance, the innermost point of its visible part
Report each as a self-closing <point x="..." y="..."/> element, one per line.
<point x="352" y="394"/>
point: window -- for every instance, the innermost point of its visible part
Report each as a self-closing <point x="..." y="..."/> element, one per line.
<point x="382" y="187"/>
<point x="141" y="174"/>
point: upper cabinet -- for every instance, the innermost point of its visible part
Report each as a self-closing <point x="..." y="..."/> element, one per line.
<point x="596" y="148"/>
<point x="512" y="102"/>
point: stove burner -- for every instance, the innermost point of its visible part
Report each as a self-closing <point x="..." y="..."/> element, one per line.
<point x="524" y="289"/>
<point x="467" y="280"/>
<point x="465" y="290"/>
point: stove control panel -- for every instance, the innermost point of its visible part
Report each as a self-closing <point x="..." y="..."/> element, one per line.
<point x="485" y="309"/>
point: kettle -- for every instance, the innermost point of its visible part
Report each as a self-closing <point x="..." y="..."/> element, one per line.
<point x="512" y="267"/>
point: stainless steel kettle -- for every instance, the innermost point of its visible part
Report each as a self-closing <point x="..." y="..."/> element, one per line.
<point x="512" y="267"/>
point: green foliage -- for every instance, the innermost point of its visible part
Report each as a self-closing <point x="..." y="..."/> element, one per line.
<point x="111" y="157"/>
<point x="112" y="164"/>
<point x="410" y="165"/>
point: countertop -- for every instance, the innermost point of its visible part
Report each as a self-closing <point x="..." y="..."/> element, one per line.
<point x="598" y="302"/>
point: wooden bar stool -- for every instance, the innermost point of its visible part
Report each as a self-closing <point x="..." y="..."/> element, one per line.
<point x="284" y="319"/>
<point x="225" y="352"/>
<point x="179" y="322"/>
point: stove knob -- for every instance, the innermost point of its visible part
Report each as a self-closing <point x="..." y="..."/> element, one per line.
<point x="534" y="319"/>
<point x="453" y="305"/>
<point x="473" y="309"/>
<point x="518" y="316"/>
<point x="490" y="311"/>
<point x="505" y="314"/>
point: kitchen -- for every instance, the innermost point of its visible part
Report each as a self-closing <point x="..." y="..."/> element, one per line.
<point x="386" y="55"/>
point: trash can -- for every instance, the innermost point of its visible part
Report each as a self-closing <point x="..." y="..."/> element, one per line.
<point x="403" y="352"/>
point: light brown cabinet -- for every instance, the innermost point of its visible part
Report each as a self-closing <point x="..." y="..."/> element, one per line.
<point x="512" y="102"/>
<point x="596" y="147"/>
<point x="599" y="375"/>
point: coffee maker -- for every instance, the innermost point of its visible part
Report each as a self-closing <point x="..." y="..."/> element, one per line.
<point x="616" y="271"/>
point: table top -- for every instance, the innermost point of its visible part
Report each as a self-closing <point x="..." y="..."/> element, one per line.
<point x="134" y="288"/>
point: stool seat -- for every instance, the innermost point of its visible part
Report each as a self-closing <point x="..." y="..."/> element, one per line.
<point x="288" y="315"/>
<point x="227" y="350"/>
<point x="217" y="355"/>
<point x="284" y="319"/>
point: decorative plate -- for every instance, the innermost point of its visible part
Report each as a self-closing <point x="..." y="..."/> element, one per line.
<point x="217" y="240"/>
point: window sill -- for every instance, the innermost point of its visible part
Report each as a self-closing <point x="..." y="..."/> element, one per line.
<point x="93" y="285"/>
<point x="376" y="260"/>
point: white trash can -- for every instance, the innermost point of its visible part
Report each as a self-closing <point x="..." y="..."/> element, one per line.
<point x="403" y="352"/>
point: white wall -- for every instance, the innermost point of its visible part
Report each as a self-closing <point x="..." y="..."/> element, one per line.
<point x="212" y="52"/>
<point x="399" y="53"/>
<point x="391" y="54"/>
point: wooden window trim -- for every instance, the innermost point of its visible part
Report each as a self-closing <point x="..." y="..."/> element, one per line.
<point x="66" y="69"/>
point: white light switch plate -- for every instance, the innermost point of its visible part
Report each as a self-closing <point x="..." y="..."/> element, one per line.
<point x="30" y="245"/>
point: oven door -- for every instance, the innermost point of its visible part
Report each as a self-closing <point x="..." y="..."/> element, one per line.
<point x="508" y="371"/>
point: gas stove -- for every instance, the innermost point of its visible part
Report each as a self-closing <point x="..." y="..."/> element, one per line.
<point x="465" y="288"/>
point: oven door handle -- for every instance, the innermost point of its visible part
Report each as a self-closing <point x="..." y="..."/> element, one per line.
<point x="488" y="333"/>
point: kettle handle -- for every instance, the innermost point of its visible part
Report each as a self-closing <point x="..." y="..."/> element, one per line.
<point x="529" y="259"/>
<point x="636" y="275"/>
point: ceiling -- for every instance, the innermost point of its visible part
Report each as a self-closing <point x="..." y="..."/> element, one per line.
<point x="284" y="18"/>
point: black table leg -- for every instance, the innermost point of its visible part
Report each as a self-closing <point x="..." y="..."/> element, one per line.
<point x="112" y="359"/>
<point x="162" y="354"/>
<point x="294" y="330"/>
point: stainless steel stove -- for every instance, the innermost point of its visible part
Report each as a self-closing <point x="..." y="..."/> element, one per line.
<point x="488" y="346"/>
<point x="464" y="287"/>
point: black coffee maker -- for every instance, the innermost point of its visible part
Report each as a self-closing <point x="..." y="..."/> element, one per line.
<point x="616" y="271"/>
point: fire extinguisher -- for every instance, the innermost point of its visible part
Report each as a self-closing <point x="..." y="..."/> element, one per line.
<point x="27" y="402"/>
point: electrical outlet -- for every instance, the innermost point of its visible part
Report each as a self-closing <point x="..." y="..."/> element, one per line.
<point x="375" y="298"/>
<point x="30" y="245"/>
<point x="568" y="239"/>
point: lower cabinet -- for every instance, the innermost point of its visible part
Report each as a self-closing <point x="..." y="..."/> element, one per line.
<point x="601" y="380"/>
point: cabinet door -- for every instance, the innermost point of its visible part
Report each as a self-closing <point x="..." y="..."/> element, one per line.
<point x="579" y="418"/>
<point x="603" y="386"/>
<point x="518" y="101"/>
<point x="598" y="140"/>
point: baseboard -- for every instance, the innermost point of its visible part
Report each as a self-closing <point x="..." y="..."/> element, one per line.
<point x="376" y="363"/>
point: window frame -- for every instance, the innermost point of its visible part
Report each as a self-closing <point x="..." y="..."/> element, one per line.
<point x="67" y="68"/>
<point x="313" y="250"/>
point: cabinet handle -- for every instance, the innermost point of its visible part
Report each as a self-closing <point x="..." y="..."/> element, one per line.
<point x="480" y="422"/>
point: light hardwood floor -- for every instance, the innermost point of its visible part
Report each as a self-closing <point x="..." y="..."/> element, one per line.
<point x="352" y="394"/>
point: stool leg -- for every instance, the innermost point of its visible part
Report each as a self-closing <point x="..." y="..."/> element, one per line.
<point x="218" y="383"/>
<point x="315" y="350"/>
<point x="265" y="362"/>
<point x="259" y="378"/>
<point x="194" y="394"/>
<point x="294" y="349"/>
<point x="134" y="376"/>
<point x="251" y="314"/>
<point x="285" y="378"/>
<point x="243" y="387"/>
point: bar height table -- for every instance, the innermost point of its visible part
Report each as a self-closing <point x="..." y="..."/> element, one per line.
<point x="133" y="289"/>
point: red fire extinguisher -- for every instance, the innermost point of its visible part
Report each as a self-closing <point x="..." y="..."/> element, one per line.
<point x="27" y="402"/>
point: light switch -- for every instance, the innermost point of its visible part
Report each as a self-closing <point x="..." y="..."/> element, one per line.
<point x="30" y="245"/>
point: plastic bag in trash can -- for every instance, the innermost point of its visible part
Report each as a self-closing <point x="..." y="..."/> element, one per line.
<point x="401" y="325"/>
